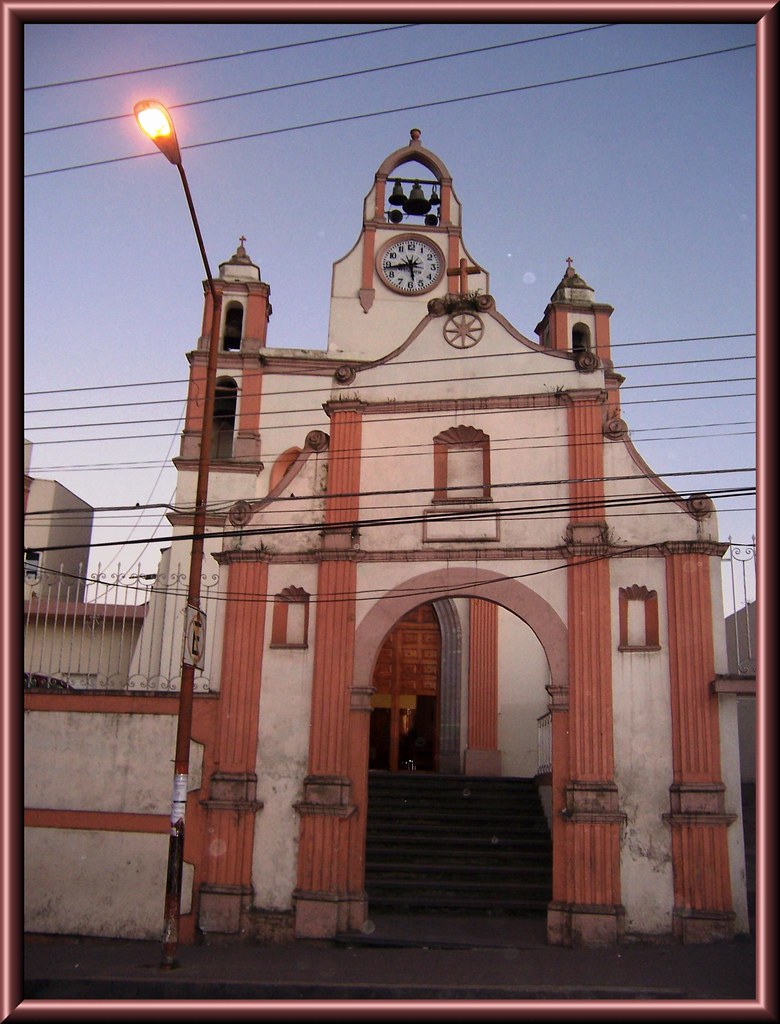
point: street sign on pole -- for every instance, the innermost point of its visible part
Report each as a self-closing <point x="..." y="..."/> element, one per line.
<point x="194" y="638"/>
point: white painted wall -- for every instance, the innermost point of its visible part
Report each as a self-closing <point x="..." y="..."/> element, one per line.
<point x="523" y="674"/>
<point x="730" y="768"/>
<point x="88" y="882"/>
<point x="643" y="759"/>
<point x="104" y="884"/>
<point x="283" y="749"/>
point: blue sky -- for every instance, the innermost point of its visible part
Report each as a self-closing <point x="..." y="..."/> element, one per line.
<point x="645" y="178"/>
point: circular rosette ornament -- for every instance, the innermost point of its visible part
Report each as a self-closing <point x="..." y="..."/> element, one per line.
<point x="240" y="513"/>
<point x="463" y="330"/>
<point x="616" y="429"/>
<point x="345" y="374"/>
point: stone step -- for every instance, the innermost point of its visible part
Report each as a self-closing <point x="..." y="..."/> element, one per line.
<point x="456" y="843"/>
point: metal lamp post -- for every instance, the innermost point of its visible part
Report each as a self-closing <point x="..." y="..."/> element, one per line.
<point x="155" y="121"/>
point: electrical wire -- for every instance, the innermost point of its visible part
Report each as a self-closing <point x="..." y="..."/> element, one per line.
<point x="397" y="492"/>
<point x="395" y="451"/>
<point x="358" y="388"/>
<point x="247" y="597"/>
<point x="410" y="362"/>
<point x="224" y="56"/>
<point x="397" y="110"/>
<point x="407" y="418"/>
<point x="325" y="78"/>
<point x="599" y="504"/>
<point x="184" y="380"/>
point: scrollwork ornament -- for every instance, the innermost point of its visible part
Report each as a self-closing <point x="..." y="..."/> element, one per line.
<point x="345" y="374"/>
<point x="240" y="513"/>
<point x="317" y="440"/>
<point x="700" y="505"/>
<point x="743" y="554"/>
<point x="615" y="429"/>
<point x="586" y="362"/>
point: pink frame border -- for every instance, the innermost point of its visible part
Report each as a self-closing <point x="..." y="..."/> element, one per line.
<point x="14" y="15"/>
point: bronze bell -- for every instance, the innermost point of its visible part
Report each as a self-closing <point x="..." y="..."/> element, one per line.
<point x="397" y="198"/>
<point x="416" y="204"/>
<point x="435" y="200"/>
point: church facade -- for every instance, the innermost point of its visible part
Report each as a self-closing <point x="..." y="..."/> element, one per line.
<point x="436" y="542"/>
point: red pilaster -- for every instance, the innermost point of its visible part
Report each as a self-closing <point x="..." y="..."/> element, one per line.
<point x="482" y="754"/>
<point x="586" y="457"/>
<point x="247" y="441"/>
<point x="327" y="895"/>
<point x="226" y="892"/>
<point x="703" y="909"/>
<point x="590" y="912"/>
<point x="602" y="346"/>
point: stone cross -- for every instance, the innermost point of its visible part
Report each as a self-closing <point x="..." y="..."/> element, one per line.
<point x="461" y="272"/>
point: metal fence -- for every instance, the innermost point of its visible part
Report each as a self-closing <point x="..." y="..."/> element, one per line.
<point x="544" y="744"/>
<point x="117" y="632"/>
<point x="740" y="592"/>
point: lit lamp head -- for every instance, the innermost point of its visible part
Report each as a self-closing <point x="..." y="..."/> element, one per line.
<point x="155" y="121"/>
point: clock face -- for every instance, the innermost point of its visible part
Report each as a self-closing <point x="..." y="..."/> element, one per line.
<point x="410" y="265"/>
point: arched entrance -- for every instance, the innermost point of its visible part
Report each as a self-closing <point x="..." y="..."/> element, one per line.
<point x="440" y="586"/>
<point x="404" y="731"/>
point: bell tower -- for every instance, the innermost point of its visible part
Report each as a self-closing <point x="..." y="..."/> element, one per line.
<point x="573" y="321"/>
<point x="409" y="251"/>
<point x="244" y="324"/>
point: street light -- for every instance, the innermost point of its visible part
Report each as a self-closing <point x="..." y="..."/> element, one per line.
<point x="155" y="121"/>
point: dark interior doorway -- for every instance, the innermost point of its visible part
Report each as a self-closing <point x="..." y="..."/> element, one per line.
<point x="405" y="712"/>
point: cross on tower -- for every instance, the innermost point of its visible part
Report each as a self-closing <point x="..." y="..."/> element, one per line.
<point x="242" y="239"/>
<point x="461" y="272"/>
<point x="569" y="260"/>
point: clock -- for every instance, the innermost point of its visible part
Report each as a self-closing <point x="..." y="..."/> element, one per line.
<point x="410" y="265"/>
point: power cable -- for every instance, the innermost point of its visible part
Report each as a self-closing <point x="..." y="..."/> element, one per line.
<point x="410" y="362"/>
<point x="407" y="384"/>
<point x="397" y="110"/>
<point x="289" y="499"/>
<point x="224" y="56"/>
<point x="247" y="597"/>
<point x="407" y="418"/>
<point x="184" y="380"/>
<point x="324" y="78"/>
<point x="320" y="527"/>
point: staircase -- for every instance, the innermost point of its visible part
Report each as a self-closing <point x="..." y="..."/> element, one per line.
<point x="456" y="843"/>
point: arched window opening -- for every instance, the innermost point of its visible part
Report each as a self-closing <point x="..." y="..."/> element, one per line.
<point x="290" y="621"/>
<point x="461" y="465"/>
<point x="580" y="338"/>
<point x="638" y="618"/>
<point x="234" y="325"/>
<point x="225" y="400"/>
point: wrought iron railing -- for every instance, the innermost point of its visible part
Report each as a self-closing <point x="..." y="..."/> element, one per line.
<point x="111" y="633"/>
<point x="544" y="744"/>
<point x="740" y="594"/>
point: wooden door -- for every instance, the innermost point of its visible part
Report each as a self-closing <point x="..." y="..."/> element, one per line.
<point x="405" y="715"/>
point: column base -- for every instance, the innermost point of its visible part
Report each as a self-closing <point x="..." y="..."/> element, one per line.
<point x="222" y="908"/>
<point x="321" y="915"/>
<point x="697" y="927"/>
<point x="574" y="924"/>
<point x="482" y="762"/>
